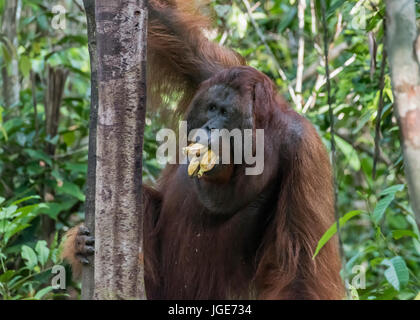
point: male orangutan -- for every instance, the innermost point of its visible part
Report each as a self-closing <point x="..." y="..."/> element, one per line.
<point x="228" y="234"/>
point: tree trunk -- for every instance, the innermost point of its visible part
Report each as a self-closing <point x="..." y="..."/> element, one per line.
<point x="405" y="76"/>
<point x="10" y="73"/>
<point x="121" y="33"/>
<point x="88" y="270"/>
<point x="56" y="80"/>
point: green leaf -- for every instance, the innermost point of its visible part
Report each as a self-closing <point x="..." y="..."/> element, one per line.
<point x="42" y="251"/>
<point x="38" y="155"/>
<point x="69" y="138"/>
<point x="392" y="190"/>
<point x="41" y="293"/>
<point x="352" y="260"/>
<point x="13" y="125"/>
<point x="398" y="234"/>
<point x="7" y="48"/>
<point x="363" y="120"/>
<point x="8" y="212"/>
<point x="349" y="152"/>
<point x="397" y="272"/>
<point x="5" y="277"/>
<point x="33" y="208"/>
<point x="76" y="167"/>
<point x="55" y="250"/>
<point x="222" y="10"/>
<point x="238" y="19"/>
<point x="354" y="295"/>
<point x="54" y="208"/>
<point x="381" y="207"/>
<point x="285" y="22"/>
<point x="26" y="199"/>
<point x="333" y="229"/>
<point x="28" y="254"/>
<point x="334" y="6"/>
<point x="25" y="66"/>
<point x="2" y="130"/>
<point x="71" y="189"/>
<point x="12" y="229"/>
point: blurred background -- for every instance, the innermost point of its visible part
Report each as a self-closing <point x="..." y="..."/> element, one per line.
<point x="44" y="117"/>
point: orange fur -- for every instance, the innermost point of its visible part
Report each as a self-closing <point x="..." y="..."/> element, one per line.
<point x="180" y="57"/>
<point x="69" y="251"/>
<point x="264" y="254"/>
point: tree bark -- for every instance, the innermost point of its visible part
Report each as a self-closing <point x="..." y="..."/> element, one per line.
<point x="10" y="73"/>
<point x="405" y="77"/>
<point x="121" y="33"/>
<point x="56" y="81"/>
<point x="88" y="270"/>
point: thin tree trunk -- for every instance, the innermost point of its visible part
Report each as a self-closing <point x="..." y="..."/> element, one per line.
<point x="121" y="30"/>
<point x="56" y="80"/>
<point x="405" y="76"/>
<point x="10" y="73"/>
<point x="301" y="53"/>
<point x="88" y="270"/>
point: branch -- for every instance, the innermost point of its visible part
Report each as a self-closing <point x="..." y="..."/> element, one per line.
<point x="321" y="81"/>
<point x="313" y="18"/>
<point x="262" y="38"/>
<point x="34" y="102"/>
<point x="333" y="54"/>
<point x="380" y="107"/>
<point x="301" y="53"/>
<point x="364" y="148"/>
<point x="78" y="6"/>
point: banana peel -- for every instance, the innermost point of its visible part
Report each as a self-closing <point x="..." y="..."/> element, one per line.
<point x="195" y="150"/>
<point x="194" y="166"/>
<point x="203" y="159"/>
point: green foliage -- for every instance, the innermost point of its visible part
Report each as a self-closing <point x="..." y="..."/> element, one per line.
<point x="27" y="168"/>
<point x="382" y="227"/>
<point x="333" y="230"/>
<point x="25" y="265"/>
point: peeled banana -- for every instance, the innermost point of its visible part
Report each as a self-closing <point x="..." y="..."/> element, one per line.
<point x="203" y="159"/>
<point x="194" y="166"/>
<point x="195" y="149"/>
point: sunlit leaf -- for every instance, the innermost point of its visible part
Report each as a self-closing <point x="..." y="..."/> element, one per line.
<point x="69" y="138"/>
<point x="25" y="66"/>
<point x="398" y="234"/>
<point x="71" y="189"/>
<point x="381" y="207"/>
<point x="42" y="251"/>
<point x="397" y="272"/>
<point x="392" y="190"/>
<point x="29" y="255"/>
<point x="349" y="152"/>
<point x="43" y="292"/>
<point x="333" y="229"/>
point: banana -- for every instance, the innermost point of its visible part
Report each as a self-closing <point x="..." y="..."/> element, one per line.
<point x="193" y="166"/>
<point x="200" y="164"/>
<point x="208" y="161"/>
<point x="195" y="149"/>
